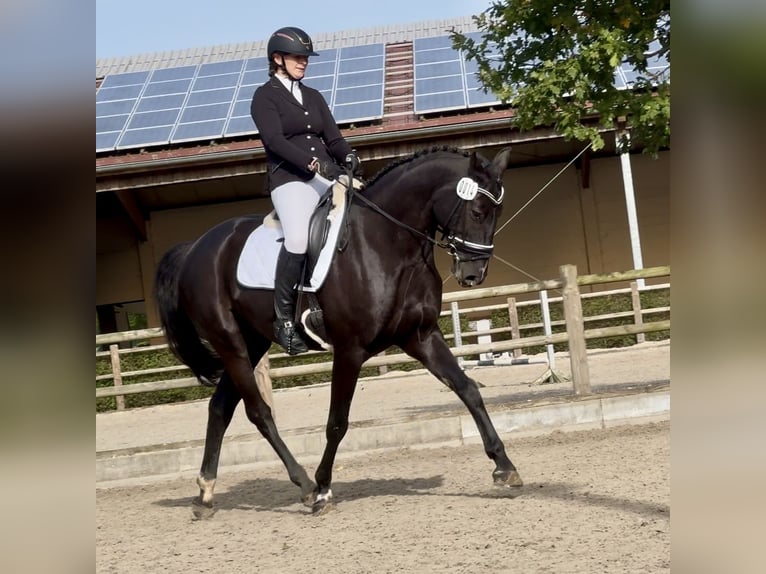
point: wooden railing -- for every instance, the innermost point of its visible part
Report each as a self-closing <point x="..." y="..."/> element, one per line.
<point x="575" y="336"/>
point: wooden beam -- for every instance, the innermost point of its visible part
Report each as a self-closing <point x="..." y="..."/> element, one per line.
<point x="578" y="351"/>
<point x="133" y="212"/>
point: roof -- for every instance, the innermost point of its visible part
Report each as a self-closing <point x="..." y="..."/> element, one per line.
<point x="256" y="49"/>
<point x="228" y="168"/>
<point x="401" y="129"/>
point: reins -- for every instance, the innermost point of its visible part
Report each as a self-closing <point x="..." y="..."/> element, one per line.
<point x="375" y="207"/>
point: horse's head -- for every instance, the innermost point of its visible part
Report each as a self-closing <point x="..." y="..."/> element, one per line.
<point x="469" y="220"/>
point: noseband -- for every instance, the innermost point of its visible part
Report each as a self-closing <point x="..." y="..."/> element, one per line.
<point x="462" y="250"/>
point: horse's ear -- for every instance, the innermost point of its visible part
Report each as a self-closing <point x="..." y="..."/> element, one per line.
<point x="476" y="163"/>
<point x="501" y="161"/>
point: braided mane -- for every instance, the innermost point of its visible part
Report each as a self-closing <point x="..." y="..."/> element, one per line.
<point x="408" y="158"/>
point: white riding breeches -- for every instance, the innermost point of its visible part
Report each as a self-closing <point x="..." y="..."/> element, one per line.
<point x="294" y="203"/>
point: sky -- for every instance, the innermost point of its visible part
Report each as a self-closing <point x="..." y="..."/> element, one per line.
<point x="141" y="26"/>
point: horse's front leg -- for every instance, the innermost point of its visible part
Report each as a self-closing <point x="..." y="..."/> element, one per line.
<point x="431" y="349"/>
<point x="345" y="372"/>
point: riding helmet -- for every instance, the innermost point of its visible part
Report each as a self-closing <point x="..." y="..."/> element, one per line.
<point x="291" y="40"/>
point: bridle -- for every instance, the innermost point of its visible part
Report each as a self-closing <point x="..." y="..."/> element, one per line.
<point x="461" y="250"/>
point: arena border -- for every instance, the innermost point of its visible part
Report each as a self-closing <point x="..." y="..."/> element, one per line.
<point x="126" y="467"/>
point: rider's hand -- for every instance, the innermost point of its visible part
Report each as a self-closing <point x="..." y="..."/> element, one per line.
<point x="353" y="163"/>
<point x="328" y="169"/>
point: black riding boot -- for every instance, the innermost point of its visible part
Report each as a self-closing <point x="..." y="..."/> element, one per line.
<point x="288" y="274"/>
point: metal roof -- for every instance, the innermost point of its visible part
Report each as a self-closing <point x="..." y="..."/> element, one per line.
<point x="354" y="37"/>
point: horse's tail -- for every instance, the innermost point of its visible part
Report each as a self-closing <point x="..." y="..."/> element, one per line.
<point x="180" y="332"/>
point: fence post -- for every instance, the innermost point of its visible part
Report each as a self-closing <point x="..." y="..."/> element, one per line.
<point x="383" y="369"/>
<point x="551" y="375"/>
<point x="513" y="318"/>
<point x="456" y="328"/>
<point x="547" y="329"/>
<point x="638" y="317"/>
<point x="484" y="325"/>
<point x="114" y="355"/>
<point x="578" y="356"/>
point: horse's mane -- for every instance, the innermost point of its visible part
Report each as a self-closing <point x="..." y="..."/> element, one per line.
<point x="408" y="158"/>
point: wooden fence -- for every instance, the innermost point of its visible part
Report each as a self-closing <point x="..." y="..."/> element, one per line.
<point x="575" y="336"/>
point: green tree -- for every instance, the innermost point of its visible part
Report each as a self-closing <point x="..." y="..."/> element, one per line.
<point x="554" y="62"/>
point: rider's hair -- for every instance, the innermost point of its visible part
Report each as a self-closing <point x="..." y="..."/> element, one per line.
<point x="273" y="67"/>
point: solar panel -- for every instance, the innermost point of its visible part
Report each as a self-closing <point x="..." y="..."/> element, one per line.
<point x="444" y="79"/>
<point x="106" y="141"/>
<point x="179" y="73"/>
<point x="212" y="100"/>
<point x="321" y="72"/>
<point x="433" y="43"/>
<point x="658" y="68"/>
<point x="157" y="107"/>
<point x="115" y="100"/>
<point x="240" y="123"/>
<point x="358" y="93"/>
<point x="439" y="76"/>
<point x="209" y="102"/>
<point x="147" y="136"/>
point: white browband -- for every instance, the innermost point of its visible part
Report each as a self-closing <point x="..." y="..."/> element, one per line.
<point x="467" y="189"/>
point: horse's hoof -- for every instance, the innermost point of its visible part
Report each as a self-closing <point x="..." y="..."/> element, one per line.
<point x="321" y="507"/>
<point x="323" y="503"/>
<point x="202" y="510"/>
<point x="309" y="498"/>
<point x="507" y="478"/>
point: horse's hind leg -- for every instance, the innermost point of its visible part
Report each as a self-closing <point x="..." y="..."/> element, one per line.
<point x="239" y="366"/>
<point x="431" y="350"/>
<point x="221" y="409"/>
<point x="220" y="412"/>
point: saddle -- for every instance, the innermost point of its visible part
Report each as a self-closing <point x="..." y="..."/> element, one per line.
<point x="319" y="228"/>
<point x="312" y="318"/>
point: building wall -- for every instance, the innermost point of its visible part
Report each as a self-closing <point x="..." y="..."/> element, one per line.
<point x="126" y="274"/>
<point x="587" y="227"/>
<point x="175" y="225"/>
<point x="118" y="277"/>
<point x="566" y="224"/>
<point x="652" y="183"/>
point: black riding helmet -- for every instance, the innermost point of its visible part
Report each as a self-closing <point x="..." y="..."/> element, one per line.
<point x="290" y="40"/>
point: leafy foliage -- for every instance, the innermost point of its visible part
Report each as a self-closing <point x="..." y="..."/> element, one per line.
<point x="557" y="59"/>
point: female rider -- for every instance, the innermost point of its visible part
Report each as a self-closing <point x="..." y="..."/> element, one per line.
<point x="304" y="148"/>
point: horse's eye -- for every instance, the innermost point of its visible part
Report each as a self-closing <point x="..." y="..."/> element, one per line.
<point x="476" y="214"/>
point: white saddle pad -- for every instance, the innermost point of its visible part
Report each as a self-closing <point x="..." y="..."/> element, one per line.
<point x="258" y="261"/>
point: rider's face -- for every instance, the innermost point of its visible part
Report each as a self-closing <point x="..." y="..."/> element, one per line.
<point x="295" y="65"/>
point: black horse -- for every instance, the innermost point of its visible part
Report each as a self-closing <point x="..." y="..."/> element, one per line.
<point x="382" y="290"/>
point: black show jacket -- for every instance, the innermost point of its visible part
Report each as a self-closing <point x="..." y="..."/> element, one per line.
<point x="294" y="134"/>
